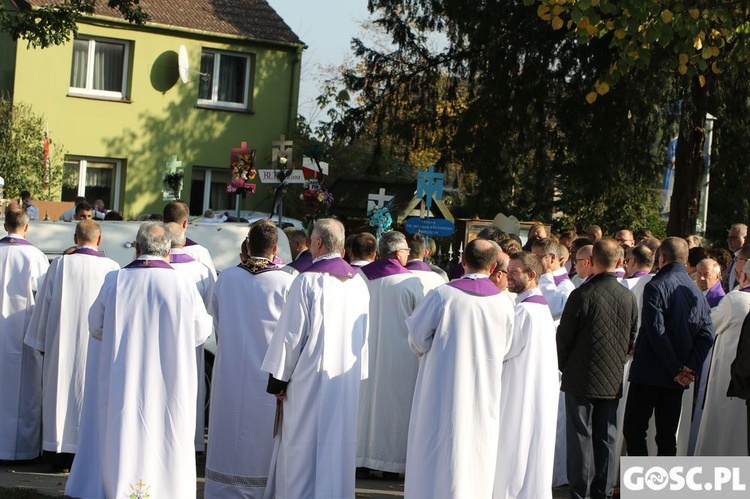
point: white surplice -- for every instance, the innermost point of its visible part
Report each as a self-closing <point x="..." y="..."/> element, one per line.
<point x="528" y="412"/>
<point x="149" y="321"/>
<point x="556" y="294"/>
<point x="60" y="329"/>
<point x="22" y="267"/>
<point x="723" y="427"/>
<point x="454" y="427"/>
<point x="385" y="397"/>
<point x="201" y="254"/>
<point x="245" y="308"/>
<point x="429" y="279"/>
<point x="320" y="347"/>
<point x="205" y="280"/>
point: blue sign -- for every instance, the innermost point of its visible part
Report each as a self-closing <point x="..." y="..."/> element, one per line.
<point x="431" y="227"/>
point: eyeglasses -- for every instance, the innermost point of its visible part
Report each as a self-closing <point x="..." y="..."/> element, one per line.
<point x="582" y="260"/>
<point x="541" y="257"/>
<point x="500" y="272"/>
<point x="403" y="249"/>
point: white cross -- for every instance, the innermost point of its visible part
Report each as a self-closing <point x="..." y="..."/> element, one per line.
<point x="172" y="165"/>
<point x="377" y="200"/>
<point x="282" y="147"/>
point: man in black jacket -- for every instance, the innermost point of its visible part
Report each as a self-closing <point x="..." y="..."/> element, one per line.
<point x="675" y="336"/>
<point x="596" y="330"/>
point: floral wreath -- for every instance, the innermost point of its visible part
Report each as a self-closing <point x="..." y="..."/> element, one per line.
<point x="380" y="218"/>
<point x="243" y="170"/>
<point x="317" y="200"/>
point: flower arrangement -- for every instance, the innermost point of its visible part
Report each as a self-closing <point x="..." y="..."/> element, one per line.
<point x="172" y="182"/>
<point x="243" y="170"/>
<point x="380" y="218"/>
<point x="317" y="200"/>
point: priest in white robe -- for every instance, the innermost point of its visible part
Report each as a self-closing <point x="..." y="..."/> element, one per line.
<point x="22" y="267"/>
<point x="205" y="279"/>
<point x="246" y="306"/>
<point x="723" y="430"/>
<point x="462" y="331"/>
<point x="530" y="391"/>
<point x="385" y="397"/>
<point x="149" y="319"/>
<point x="60" y="330"/>
<point x="178" y="212"/>
<point x="361" y="249"/>
<point x="316" y="359"/>
<point x="554" y="283"/>
<point x="416" y="265"/>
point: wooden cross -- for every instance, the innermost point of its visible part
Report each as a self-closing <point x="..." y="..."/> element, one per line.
<point x="282" y="148"/>
<point x="377" y="200"/>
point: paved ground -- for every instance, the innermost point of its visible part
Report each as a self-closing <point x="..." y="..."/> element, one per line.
<point x="37" y="476"/>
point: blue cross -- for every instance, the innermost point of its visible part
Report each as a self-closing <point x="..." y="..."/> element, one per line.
<point x="430" y="185"/>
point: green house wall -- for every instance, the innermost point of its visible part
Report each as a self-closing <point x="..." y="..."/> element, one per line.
<point x="160" y="117"/>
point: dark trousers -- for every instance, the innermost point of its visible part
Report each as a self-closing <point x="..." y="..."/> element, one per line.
<point x="591" y="431"/>
<point x="643" y="401"/>
<point x="748" y="427"/>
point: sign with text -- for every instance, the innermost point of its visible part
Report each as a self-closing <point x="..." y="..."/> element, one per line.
<point x="270" y="177"/>
<point x="431" y="227"/>
<point x="684" y="477"/>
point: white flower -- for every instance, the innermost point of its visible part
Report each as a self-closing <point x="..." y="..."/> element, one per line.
<point x="282" y="160"/>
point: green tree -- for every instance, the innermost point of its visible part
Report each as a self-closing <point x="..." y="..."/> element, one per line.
<point x="55" y="22"/>
<point x="22" y="164"/>
<point x="697" y="40"/>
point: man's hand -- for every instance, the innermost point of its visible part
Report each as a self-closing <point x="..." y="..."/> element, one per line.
<point x="685" y="376"/>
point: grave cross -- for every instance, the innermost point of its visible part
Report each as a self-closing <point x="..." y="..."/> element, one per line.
<point x="430" y="186"/>
<point x="173" y="164"/>
<point x="282" y="147"/>
<point x="377" y="200"/>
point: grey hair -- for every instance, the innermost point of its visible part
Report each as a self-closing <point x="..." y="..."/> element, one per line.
<point x="390" y="242"/>
<point x="713" y="265"/>
<point x="331" y="231"/>
<point x="154" y="239"/>
<point x="176" y="234"/>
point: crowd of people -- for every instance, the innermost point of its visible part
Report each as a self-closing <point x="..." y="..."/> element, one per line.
<point x="536" y="366"/>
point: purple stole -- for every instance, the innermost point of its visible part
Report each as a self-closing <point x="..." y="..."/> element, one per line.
<point x="479" y="287"/>
<point x="586" y="281"/>
<point x="303" y="261"/>
<point x="180" y="258"/>
<point x="333" y="266"/>
<point x="535" y="299"/>
<point x="383" y="268"/>
<point x="715" y="294"/>
<point x="87" y="251"/>
<point x="560" y="278"/>
<point x="620" y="274"/>
<point x="258" y="265"/>
<point x="418" y="265"/>
<point x="746" y="289"/>
<point x="190" y="242"/>
<point x="15" y="240"/>
<point x="148" y="264"/>
<point x="640" y="273"/>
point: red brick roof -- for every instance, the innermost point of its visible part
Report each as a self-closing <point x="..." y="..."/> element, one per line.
<point x="253" y="19"/>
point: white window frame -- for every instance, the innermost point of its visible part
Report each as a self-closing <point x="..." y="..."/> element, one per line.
<point x="83" y="164"/>
<point x="90" y="61"/>
<point x="214" y="100"/>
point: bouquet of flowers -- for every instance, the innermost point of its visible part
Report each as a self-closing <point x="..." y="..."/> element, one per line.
<point x="243" y="170"/>
<point x="381" y="219"/>
<point x="317" y="200"/>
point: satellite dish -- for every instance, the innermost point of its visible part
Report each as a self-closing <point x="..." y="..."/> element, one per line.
<point x="183" y="66"/>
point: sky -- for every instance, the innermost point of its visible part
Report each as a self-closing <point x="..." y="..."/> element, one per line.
<point x="326" y="27"/>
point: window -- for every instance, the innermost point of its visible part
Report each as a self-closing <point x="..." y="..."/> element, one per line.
<point x="99" y="68"/>
<point x="209" y="191"/>
<point x="225" y="80"/>
<point x="101" y="180"/>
